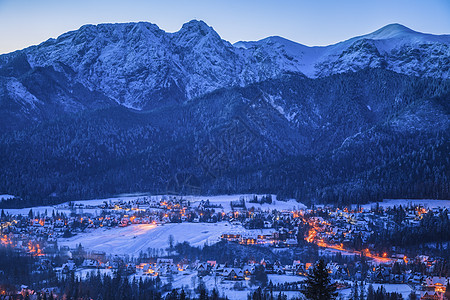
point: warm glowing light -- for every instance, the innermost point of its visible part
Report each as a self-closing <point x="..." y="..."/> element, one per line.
<point x="311" y="235"/>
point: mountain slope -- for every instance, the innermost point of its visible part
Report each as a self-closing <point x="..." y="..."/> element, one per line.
<point x="349" y="137"/>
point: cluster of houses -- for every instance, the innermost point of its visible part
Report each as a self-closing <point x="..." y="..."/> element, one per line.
<point x="332" y="228"/>
<point x="429" y="287"/>
<point x="166" y="267"/>
<point x="280" y="238"/>
<point x="343" y="226"/>
<point x="435" y="288"/>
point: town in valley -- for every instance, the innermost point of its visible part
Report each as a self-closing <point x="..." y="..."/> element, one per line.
<point x="241" y="245"/>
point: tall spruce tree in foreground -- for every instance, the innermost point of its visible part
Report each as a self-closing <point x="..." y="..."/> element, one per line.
<point x="318" y="284"/>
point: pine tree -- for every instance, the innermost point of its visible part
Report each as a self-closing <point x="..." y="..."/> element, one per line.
<point x="173" y="295"/>
<point x="412" y="296"/>
<point x="203" y="294"/>
<point x="171" y="243"/>
<point x="259" y="277"/>
<point x="447" y="291"/>
<point x="354" y="295"/>
<point x="182" y="295"/>
<point x="318" y="284"/>
<point x="362" y="291"/>
<point x="370" y="292"/>
<point x="215" y="294"/>
<point x="257" y="295"/>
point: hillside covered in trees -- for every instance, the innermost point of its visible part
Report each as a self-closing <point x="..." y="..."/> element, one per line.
<point x="346" y="138"/>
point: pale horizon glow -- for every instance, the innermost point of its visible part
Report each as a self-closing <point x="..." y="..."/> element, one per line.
<point x="314" y="23"/>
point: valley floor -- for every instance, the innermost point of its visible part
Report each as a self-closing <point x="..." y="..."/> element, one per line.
<point x="133" y="239"/>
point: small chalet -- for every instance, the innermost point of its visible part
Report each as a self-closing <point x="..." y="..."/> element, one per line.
<point x="233" y="274"/>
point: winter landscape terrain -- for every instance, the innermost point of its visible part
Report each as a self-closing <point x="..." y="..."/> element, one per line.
<point x="137" y="163"/>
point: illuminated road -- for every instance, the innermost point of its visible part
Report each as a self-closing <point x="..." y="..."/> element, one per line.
<point x="312" y="238"/>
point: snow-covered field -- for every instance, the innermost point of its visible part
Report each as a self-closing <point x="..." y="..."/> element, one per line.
<point x="223" y="200"/>
<point x="428" y="203"/>
<point x="6" y="197"/>
<point x="224" y="287"/>
<point x="403" y="289"/>
<point x="36" y="209"/>
<point x="227" y="287"/>
<point x="275" y="278"/>
<point x="188" y="279"/>
<point x="82" y="273"/>
<point x="135" y="238"/>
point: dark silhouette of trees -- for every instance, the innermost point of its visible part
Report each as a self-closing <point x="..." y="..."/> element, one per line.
<point x="335" y="150"/>
<point x="318" y="285"/>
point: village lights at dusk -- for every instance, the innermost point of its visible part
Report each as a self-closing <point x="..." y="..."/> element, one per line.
<point x="217" y="150"/>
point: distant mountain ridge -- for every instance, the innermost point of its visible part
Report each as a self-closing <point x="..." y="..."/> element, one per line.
<point x="393" y="47"/>
<point x="140" y="66"/>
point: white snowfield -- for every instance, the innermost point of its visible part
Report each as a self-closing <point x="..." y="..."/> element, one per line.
<point x="36" y="209"/>
<point x="223" y="200"/>
<point x="427" y="203"/>
<point x="6" y="197"/>
<point x="133" y="239"/>
<point x="403" y="289"/>
<point x="226" y="287"/>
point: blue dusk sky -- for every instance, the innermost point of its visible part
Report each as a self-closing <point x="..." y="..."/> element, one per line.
<point x="314" y="22"/>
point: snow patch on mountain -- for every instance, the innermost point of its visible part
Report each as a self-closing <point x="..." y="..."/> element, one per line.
<point x="21" y="95"/>
<point x="394" y="47"/>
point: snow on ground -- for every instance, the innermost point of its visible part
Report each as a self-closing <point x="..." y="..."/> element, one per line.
<point x="82" y="273"/>
<point x="227" y="288"/>
<point x="428" y="203"/>
<point x="119" y="198"/>
<point x="5" y="197"/>
<point x="275" y="278"/>
<point x="135" y="238"/>
<point x="223" y="200"/>
<point x="37" y="209"/>
<point x="223" y="286"/>
<point x="403" y="289"/>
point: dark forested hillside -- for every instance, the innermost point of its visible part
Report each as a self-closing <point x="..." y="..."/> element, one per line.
<point x="352" y="137"/>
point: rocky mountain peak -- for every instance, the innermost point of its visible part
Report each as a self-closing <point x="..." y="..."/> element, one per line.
<point x="196" y="26"/>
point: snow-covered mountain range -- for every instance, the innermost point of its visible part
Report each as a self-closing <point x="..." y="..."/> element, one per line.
<point x="140" y="66"/>
<point x="394" y="47"/>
